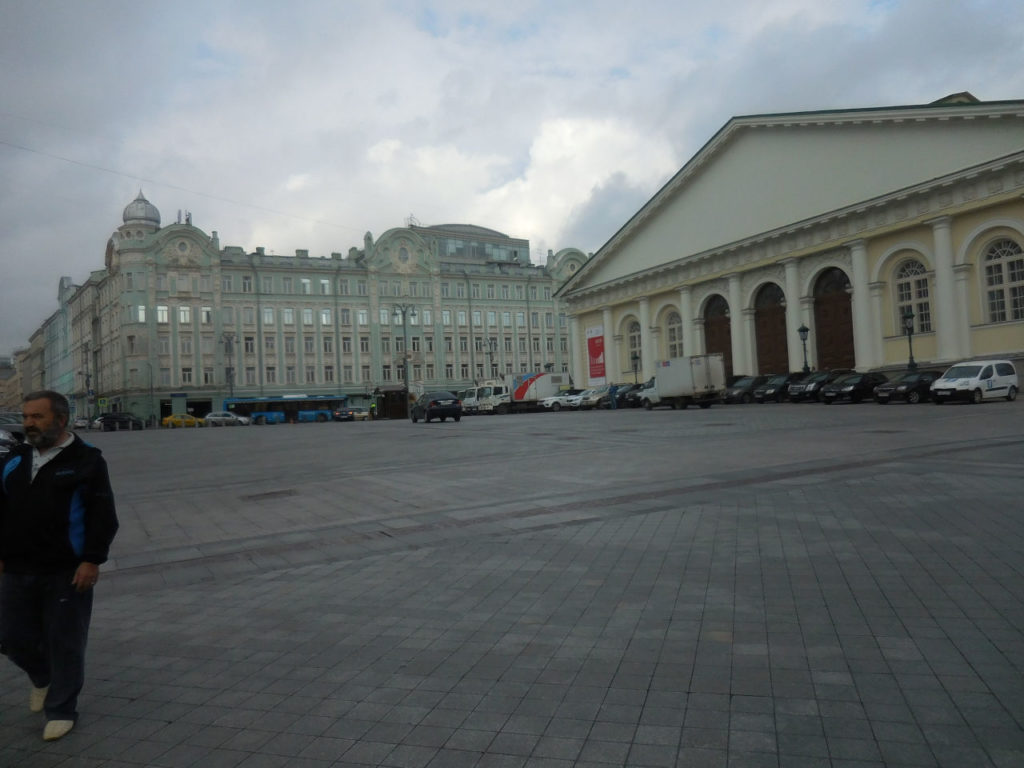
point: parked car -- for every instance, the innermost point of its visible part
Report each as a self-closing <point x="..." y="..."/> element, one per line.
<point x="776" y="388"/>
<point x="567" y="399"/>
<point x="80" y="422"/>
<point x="8" y="441"/>
<point x="912" y="386"/>
<point x="111" y="422"/>
<point x="742" y="390"/>
<point x="589" y="398"/>
<point x="977" y="380"/>
<point x="351" y="413"/>
<point x="12" y="423"/>
<point x="436" y="405"/>
<point x="635" y="398"/>
<point x="226" y="419"/>
<point x="178" y="420"/>
<point x="853" y="387"/>
<point x="809" y="387"/>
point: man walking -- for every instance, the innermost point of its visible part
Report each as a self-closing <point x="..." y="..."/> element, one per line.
<point x="57" y="521"/>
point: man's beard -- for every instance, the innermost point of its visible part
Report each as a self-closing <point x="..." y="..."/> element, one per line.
<point x="42" y="439"/>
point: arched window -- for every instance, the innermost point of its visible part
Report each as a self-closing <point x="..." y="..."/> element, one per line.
<point x="1004" y="281"/>
<point x="634" y="343"/>
<point x="912" y="293"/>
<point x="674" y="327"/>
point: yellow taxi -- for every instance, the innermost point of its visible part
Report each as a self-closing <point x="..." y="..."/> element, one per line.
<point x="176" y="420"/>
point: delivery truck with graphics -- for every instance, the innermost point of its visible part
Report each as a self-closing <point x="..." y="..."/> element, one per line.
<point x="682" y="381"/>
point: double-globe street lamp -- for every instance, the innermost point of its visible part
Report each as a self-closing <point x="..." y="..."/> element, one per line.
<point x="405" y="311"/>
<point x="908" y="328"/>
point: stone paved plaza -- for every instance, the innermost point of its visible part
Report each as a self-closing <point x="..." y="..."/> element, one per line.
<point x="776" y="585"/>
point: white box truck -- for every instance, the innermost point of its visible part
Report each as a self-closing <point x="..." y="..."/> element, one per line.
<point x="698" y="379"/>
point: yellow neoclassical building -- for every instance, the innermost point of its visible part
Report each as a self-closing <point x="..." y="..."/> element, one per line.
<point x="848" y="225"/>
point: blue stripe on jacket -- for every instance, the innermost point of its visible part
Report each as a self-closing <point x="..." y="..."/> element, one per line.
<point x="76" y="522"/>
<point x="9" y="467"/>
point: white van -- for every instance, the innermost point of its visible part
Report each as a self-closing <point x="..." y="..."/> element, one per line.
<point x="976" y="380"/>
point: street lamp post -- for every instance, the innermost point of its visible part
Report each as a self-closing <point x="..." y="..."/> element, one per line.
<point x="405" y="311"/>
<point x="803" y="330"/>
<point x="635" y="358"/>
<point x="908" y="328"/>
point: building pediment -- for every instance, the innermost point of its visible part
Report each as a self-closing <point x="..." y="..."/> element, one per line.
<point x="401" y="250"/>
<point x="760" y="173"/>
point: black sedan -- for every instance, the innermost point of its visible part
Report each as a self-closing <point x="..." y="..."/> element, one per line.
<point x="853" y="387"/>
<point x="742" y="390"/>
<point x="111" y="422"/>
<point x="436" y="405"/>
<point x="8" y="442"/>
<point x="776" y="388"/>
<point x="810" y="387"/>
<point x="912" y="386"/>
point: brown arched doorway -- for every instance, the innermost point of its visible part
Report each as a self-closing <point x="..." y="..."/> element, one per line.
<point x="770" y="330"/>
<point x="833" y="320"/>
<point x="717" y="330"/>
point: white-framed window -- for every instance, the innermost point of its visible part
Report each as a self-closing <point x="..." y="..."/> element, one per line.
<point x="674" y="328"/>
<point x="271" y="374"/>
<point x="325" y="317"/>
<point x="184" y="315"/>
<point x="634" y="343"/>
<point x="309" y="344"/>
<point x="246" y="283"/>
<point x="363" y="316"/>
<point x="912" y="293"/>
<point x="325" y="287"/>
<point x="307" y="316"/>
<point x="1004" y="281"/>
<point x="185" y="342"/>
<point x="287" y="316"/>
<point x="206" y="315"/>
<point x="462" y="317"/>
<point x="268" y="284"/>
<point x="287" y="285"/>
<point x="268" y="315"/>
<point x="162" y="314"/>
<point x="249" y="315"/>
<point x="385" y="316"/>
<point x="186" y="375"/>
<point x="446" y="317"/>
<point x="305" y="286"/>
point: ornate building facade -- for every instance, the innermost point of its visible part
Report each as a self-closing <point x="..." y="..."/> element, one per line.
<point x="176" y="322"/>
<point x="848" y="228"/>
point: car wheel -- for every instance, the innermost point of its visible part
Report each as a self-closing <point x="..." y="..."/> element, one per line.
<point x="829" y="400"/>
<point x="647" y="405"/>
<point x="443" y="418"/>
<point x="747" y="399"/>
<point x="261" y="419"/>
<point x="977" y="396"/>
<point x="556" y="407"/>
<point x="881" y="401"/>
<point x="321" y="417"/>
<point x="414" y="417"/>
<point x="913" y="397"/>
<point x="457" y="418"/>
<point x="1011" y="394"/>
<point x="704" y="405"/>
<point x="937" y="401"/>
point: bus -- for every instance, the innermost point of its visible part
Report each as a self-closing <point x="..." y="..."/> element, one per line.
<point x="282" y="409"/>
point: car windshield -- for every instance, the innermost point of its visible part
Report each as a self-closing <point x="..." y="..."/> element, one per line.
<point x="776" y="380"/>
<point x="746" y="381"/>
<point x="962" y="372"/>
<point x="815" y="377"/>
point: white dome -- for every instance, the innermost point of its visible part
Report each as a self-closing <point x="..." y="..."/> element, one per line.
<point x="141" y="211"/>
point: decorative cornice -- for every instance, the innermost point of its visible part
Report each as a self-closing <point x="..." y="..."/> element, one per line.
<point x="918" y="204"/>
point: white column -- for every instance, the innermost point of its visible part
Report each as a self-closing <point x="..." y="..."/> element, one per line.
<point x="647" y="350"/>
<point x="686" y="312"/>
<point x="611" y="362"/>
<point x="577" y="352"/>
<point x="698" y="337"/>
<point x="877" y="291"/>
<point x="863" y="344"/>
<point x="962" y="321"/>
<point x="750" y="332"/>
<point x="794" y="347"/>
<point x="737" y="328"/>
<point x="945" y="315"/>
<point x="807" y="318"/>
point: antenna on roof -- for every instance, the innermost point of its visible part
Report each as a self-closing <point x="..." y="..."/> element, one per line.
<point x="412" y="221"/>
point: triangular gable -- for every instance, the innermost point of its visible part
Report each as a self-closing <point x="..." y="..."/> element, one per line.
<point x="760" y="173"/>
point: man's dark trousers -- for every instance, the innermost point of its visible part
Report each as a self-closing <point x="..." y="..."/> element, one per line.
<point x="45" y="623"/>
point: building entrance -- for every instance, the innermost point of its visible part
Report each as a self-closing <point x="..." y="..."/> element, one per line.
<point x="833" y="320"/>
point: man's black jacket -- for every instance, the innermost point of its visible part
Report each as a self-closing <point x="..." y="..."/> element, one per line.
<point x="62" y="518"/>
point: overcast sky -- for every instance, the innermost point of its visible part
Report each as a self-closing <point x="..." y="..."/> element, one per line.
<point x="305" y="124"/>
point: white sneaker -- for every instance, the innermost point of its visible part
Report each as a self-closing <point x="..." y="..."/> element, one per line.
<point x="37" y="698"/>
<point x="55" y="729"/>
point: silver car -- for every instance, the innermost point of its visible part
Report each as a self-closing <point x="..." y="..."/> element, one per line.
<point x="226" y="419"/>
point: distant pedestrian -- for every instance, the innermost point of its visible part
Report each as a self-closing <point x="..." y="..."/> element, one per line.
<point x="57" y="521"/>
<point x="613" y="393"/>
<point x="373" y="411"/>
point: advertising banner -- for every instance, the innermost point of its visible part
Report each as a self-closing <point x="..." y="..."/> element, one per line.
<point x="595" y="354"/>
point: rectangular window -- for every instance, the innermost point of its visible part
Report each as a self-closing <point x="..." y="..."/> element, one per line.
<point x="460" y="290"/>
<point x="361" y="288"/>
<point x="162" y="314"/>
<point x="364" y="343"/>
<point x="249" y="315"/>
<point x="289" y="374"/>
<point x="476" y="290"/>
<point x="165" y="377"/>
<point x="289" y="345"/>
<point x="246" y="283"/>
<point x="446" y="317"/>
<point x="325" y="317"/>
<point x="384" y="317"/>
<point x="228" y="315"/>
<point x="346" y="371"/>
<point x="250" y="375"/>
<point x="205" y="283"/>
<point x="430" y="343"/>
<point x="206" y="315"/>
<point x="490" y="290"/>
<point x="288" y="316"/>
<point x="346" y="344"/>
<point x="505" y="292"/>
<point x="328" y="345"/>
<point x="311" y="374"/>
<point x="477" y="318"/>
<point x="307" y="316"/>
<point x="427" y="317"/>
<point x="140" y="313"/>
<point x="328" y="373"/>
<point x="270" y="344"/>
<point x="271" y="375"/>
<point x="385" y="345"/>
<point x="521" y="319"/>
<point x="345" y="316"/>
<point x="161" y="282"/>
<point x="386" y="372"/>
<point x="343" y="286"/>
<point x="225" y="283"/>
<point x="306" y="286"/>
<point x="464" y="370"/>
<point x="309" y="344"/>
<point x="364" y="373"/>
<point x="506" y="319"/>
<point x="163" y="345"/>
<point x="186" y="376"/>
<point x="249" y="345"/>
<point x="286" y="285"/>
<point x="208" y="376"/>
<point x="186" y="345"/>
<point x="430" y="371"/>
<point x="462" y="317"/>
<point x="131" y="344"/>
<point x="444" y="290"/>
<point x="449" y="371"/>
<point x="447" y="343"/>
<point x="463" y="344"/>
<point x="268" y="315"/>
<point x="492" y="319"/>
<point x="268" y="284"/>
<point x="363" y="316"/>
<point x="325" y="287"/>
<point x="415" y="342"/>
